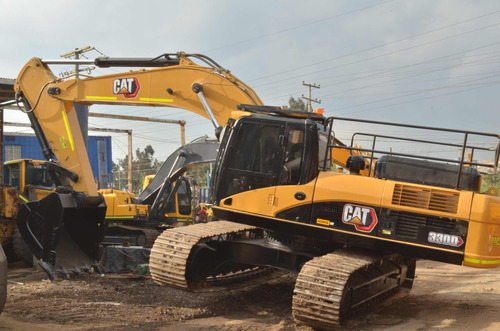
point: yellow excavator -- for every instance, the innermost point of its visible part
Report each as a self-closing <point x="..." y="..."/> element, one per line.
<point x="166" y="200"/>
<point x="352" y="237"/>
<point x="9" y="202"/>
<point x="9" y="206"/>
<point x="32" y="182"/>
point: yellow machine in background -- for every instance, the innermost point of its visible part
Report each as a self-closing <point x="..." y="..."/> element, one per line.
<point x="9" y="205"/>
<point x="31" y="182"/>
<point x="352" y="237"/>
<point x="168" y="200"/>
<point x="147" y="179"/>
<point x="29" y="177"/>
<point x="129" y="221"/>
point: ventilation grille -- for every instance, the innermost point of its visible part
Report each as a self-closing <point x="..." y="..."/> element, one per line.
<point x="429" y="199"/>
<point x="408" y="224"/>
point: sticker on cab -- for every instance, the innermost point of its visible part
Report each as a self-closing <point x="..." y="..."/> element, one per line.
<point x="323" y="222"/>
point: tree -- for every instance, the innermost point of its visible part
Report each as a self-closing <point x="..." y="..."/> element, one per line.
<point x="297" y="105"/>
<point x="143" y="164"/>
<point x="200" y="174"/>
<point x="490" y="180"/>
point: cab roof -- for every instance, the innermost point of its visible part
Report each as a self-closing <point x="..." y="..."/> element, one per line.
<point x="272" y="110"/>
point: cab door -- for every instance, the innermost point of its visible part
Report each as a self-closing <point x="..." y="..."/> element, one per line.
<point x="294" y="193"/>
<point x="250" y="172"/>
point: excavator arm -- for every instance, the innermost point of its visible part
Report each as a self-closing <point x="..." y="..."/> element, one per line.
<point x="211" y="92"/>
<point x="74" y="213"/>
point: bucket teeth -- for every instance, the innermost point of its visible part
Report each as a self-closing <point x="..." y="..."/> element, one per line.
<point x="97" y="267"/>
<point x="64" y="272"/>
<point x="49" y="270"/>
<point x="75" y="270"/>
<point x="67" y="273"/>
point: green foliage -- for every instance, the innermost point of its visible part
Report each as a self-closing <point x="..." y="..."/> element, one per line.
<point x="297" y="105"/>
<point x="143" y="164"/>
<point x="200" y="174"/>
<point x="490" y="180"/>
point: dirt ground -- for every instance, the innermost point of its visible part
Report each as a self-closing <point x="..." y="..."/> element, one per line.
<point x="444" y="297"/>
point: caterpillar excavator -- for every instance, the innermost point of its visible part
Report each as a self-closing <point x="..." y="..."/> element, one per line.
<point x="69" y="223"/>
<point x="352" y="237"/>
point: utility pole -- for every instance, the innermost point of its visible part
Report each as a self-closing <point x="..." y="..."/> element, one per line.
<point x="76" y="53"/>
<point x="309" y="99"/>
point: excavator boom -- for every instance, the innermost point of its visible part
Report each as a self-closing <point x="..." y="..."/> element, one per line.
<point x="76" y="207"/>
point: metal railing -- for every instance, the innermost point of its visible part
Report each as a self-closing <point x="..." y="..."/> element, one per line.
<point x="371" y="153"/>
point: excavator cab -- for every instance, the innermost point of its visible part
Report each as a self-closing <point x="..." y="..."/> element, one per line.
<point x="173" y="204"/>
<point x="29" y="177"/>
<point x="267" y="153"/>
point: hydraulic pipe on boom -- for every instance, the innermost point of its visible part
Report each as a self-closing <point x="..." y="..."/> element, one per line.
<point x="198" y="89"/>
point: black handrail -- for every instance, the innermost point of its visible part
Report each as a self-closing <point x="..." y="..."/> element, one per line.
<point x="372" y="151"/>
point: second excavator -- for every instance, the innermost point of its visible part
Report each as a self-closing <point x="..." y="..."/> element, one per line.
<point x="164" y="203"/>
<point x="352" y="237"/>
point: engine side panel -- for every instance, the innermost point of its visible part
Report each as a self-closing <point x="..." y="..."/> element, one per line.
<point x="442" y="224"/>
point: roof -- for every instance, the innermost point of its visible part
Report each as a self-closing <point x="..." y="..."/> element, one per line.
<point x="6" y="89"/>
<point x="271" y="110"/>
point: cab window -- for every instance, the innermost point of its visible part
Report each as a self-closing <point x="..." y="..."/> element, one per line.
<point x="38" y="176"/>
<point x="183" y="199"/>
<point x="253" y="159"/>
<point x="12" y="175"/>
<point x="293" y="156"/>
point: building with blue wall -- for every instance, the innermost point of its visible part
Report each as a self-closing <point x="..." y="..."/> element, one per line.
<point x="25" y="146"/>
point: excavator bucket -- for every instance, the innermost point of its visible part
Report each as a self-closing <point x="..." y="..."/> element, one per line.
<point x="62" y="235"/>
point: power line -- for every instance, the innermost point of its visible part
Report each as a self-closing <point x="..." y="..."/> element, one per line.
<point x="378" y="46"/>
<point x="296" y="27"/>
<point x="409" y="101"/>
<point x="377" y="73"/>
<point x="382" y="55"/>
<point x="336" y="93"/>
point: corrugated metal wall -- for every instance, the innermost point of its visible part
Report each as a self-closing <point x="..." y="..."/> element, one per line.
<point x="99" y="150"/>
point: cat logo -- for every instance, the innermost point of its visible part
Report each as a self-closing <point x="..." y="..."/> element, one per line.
<point x="364" y="219"/>
<point x="126" y="86"/>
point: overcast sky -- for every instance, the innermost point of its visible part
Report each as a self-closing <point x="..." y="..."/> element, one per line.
<point x="425" y="62"/>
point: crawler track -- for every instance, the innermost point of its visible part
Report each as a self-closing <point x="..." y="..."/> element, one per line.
<point x="332" y="286"/>
<point x="168" y="261"/>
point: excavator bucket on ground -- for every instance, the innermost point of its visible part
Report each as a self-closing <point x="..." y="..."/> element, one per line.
<point x="63" y="234"/>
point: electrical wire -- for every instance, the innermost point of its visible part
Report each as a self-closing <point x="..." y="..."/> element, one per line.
<point x="379" y="46"/>
<point x="296" y="27"/>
